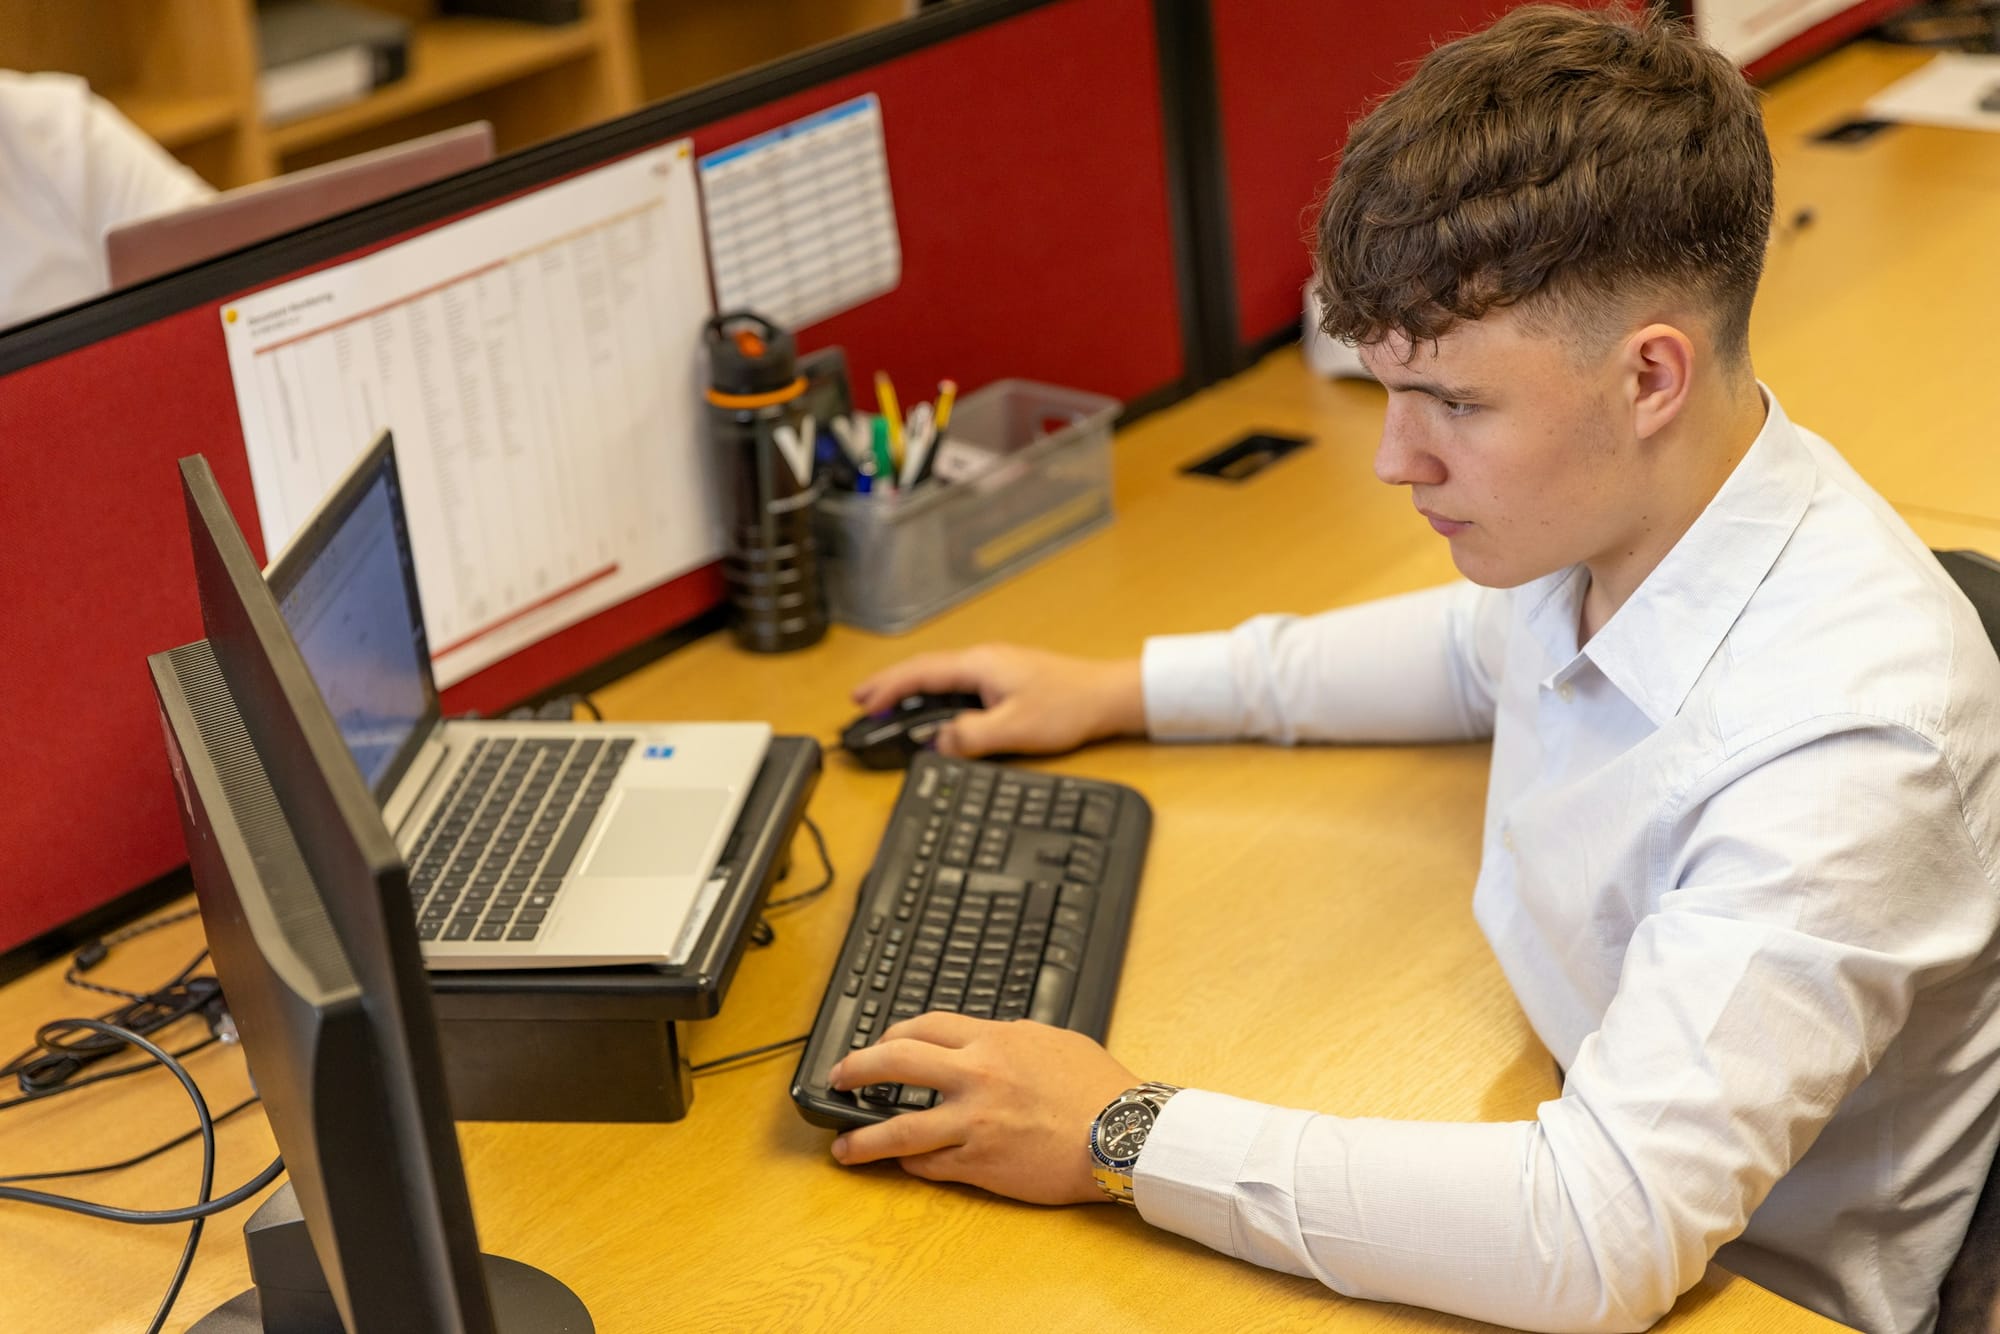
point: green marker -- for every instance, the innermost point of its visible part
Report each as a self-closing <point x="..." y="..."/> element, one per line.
<point x="885" y="466"/>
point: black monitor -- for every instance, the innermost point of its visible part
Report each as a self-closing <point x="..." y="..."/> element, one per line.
<point x="305" y="901"/>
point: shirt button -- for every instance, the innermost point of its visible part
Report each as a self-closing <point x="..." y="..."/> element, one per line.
<point x="1565" y="691"/>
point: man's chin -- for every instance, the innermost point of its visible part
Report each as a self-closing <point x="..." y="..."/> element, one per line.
<point x="1489" y="571"/>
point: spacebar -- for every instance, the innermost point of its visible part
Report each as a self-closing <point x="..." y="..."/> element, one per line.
<point x="1052" y="992"/>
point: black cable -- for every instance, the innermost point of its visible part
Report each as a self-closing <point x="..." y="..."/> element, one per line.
<point x="94" y="953"/>
<point x="113" y="1214"/>
<point x="762" y="933"/>
<point x="149" y="1154"/>
<point x="589" y="706"/>
<point x="72" y="1085"/>
<point x="207" y="1131"/>
<point x="739" y="1057"/>
<point x="58" y="1055"/>
<point x="805" y="895"/>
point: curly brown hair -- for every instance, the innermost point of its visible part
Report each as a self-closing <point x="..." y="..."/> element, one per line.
<point x="1565" y="161"/>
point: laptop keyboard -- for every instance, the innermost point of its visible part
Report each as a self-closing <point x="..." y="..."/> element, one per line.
<point x="997" y="892"/>
<point x="493" y="855"/>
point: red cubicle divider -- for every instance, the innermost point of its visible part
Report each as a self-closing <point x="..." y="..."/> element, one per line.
<point x="1289" y="79"/>
<point x="1026" y="156"/>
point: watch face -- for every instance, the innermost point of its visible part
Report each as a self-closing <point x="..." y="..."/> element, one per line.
<point x="1123" y="1131"/>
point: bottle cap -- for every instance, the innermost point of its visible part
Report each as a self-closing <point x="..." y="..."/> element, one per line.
<point x="749" y="355"/>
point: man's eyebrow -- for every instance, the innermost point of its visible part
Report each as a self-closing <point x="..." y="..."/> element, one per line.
<point x="1449" y="393"/>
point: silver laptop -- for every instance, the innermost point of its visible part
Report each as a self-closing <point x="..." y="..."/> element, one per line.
<point x="162" y="242"/>
<point x="531" y="845"/>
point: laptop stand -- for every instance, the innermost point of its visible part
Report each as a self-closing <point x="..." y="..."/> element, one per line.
<point x="604" y="1044"/>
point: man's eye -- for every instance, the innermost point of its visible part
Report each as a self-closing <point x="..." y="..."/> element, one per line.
<point x="1453" y="408"/>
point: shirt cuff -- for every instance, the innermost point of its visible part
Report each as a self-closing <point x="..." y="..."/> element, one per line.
<point x="1186" y="1178"/>
<point x="1190" y="687"/>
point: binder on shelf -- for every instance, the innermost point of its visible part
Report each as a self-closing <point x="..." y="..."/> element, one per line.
<point x="314" y="55"/>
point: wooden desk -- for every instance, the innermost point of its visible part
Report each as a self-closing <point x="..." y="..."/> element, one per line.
<point x="1304" y="935"/>
<point x="1876" y="321"/>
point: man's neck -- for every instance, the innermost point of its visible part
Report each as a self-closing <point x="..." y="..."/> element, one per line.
<point x="1698" y="451"/>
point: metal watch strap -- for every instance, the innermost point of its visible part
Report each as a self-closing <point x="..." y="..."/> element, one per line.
<point x="1116" y="1184"/>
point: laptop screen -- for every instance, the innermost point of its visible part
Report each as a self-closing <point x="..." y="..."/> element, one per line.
<point x="349" y="595"/>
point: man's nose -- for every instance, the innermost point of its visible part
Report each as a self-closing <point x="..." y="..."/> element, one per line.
<point x="1401" y="458"/>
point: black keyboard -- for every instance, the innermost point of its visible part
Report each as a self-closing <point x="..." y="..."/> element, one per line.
<point x="997" y="892"/>
<point x="494" y="853"/>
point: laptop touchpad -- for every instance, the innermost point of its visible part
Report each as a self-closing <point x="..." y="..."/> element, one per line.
<point x="655" y="831"/>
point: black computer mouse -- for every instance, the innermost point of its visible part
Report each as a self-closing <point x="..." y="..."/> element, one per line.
<point x="892" y="738"/>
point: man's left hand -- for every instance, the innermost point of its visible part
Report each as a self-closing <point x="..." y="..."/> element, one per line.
<point x="1016" y="1102"/>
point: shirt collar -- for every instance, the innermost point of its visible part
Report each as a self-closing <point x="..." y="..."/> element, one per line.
<point x="1655" y="647"/>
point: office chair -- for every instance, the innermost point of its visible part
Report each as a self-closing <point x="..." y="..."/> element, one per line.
<point x="1969" y="1300"/>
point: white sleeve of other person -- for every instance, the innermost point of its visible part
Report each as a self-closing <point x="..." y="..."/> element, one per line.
<point x="70" y="168"/>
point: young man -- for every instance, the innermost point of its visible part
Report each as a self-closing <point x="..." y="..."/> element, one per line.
<point x="1740" y="829"/>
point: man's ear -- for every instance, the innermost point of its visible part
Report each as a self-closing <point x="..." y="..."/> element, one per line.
<point x="1659" y="365"/>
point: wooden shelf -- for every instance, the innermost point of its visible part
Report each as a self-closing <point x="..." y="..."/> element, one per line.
<point x="450" y="58"/>
<point x="185" y="71"/>
<point x="176" y="122"/>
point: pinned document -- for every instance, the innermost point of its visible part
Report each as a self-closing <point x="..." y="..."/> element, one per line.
<point x="801" y="224"/>
<point x="538" y="364"/>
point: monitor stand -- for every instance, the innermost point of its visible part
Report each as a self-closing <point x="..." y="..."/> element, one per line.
<point x="292" y="1296"/>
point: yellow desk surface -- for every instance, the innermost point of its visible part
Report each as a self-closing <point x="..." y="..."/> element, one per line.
<point x="1303" y="935"/>
<point x="1876" y="322"/>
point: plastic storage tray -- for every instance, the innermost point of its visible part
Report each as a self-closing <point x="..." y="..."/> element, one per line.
<point x="894" y="561"/>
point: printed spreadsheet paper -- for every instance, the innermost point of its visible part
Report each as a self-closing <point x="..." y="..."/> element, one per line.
<point x="538" y="363"/>
<point x="801" y="224"/>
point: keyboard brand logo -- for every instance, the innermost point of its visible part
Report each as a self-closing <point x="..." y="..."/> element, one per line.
<point x="659" y="752"/>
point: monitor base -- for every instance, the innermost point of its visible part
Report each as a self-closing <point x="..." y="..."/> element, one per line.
<point x="524" y="1299"/>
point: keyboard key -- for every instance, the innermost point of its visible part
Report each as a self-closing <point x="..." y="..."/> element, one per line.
<point x="526" y="931"/>
<point x="490" y="931"/>
<point x="1052" y="992"/>
<point x="1068" y="938"/>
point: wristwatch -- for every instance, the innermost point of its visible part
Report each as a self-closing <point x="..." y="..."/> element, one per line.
<point x="1120" y="1131"/>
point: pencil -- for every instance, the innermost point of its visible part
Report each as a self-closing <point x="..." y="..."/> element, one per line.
<point x="885" y="398"/>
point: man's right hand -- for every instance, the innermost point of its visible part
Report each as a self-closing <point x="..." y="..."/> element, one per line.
<point x="1037" y="703"/>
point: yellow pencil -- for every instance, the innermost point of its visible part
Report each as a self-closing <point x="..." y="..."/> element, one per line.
<point x="947" y="395"/>
<point x="885" y="398"/>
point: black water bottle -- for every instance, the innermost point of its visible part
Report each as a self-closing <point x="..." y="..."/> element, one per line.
<point x="771" y="563"/>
